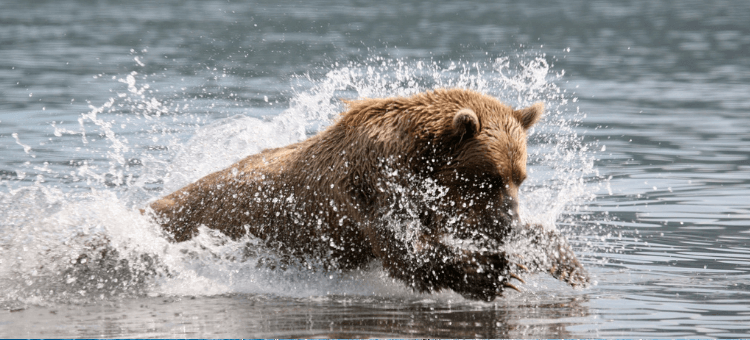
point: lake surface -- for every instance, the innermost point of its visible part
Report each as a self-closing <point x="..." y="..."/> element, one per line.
<point x="643" y="160"/>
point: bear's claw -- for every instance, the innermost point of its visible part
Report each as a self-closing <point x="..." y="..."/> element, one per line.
<point x="511" y="286"/>
<point x="517" y="278"/>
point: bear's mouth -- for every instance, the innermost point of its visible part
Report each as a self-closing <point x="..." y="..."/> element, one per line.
<point x="490" y="227"/>
<point x="474" y="245"/>
<point x="478" y="244"/>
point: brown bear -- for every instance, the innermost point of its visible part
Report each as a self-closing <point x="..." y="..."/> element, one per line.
<point x="427" y="184"/>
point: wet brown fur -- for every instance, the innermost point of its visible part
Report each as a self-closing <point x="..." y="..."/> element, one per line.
<point x="325" y="198"/>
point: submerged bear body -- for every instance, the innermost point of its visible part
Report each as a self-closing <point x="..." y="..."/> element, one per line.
<point x="427" y="184"/>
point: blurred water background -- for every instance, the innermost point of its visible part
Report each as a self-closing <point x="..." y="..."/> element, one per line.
<point x="642" y="161"/>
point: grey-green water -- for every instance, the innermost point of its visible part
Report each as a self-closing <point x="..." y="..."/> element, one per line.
<point x="106" y="105"/>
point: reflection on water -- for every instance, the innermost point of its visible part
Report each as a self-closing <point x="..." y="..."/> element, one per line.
<point x="661" y="87"/>
<point x="333" y="316"/>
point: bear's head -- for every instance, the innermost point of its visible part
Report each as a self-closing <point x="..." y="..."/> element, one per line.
<point x="468" y="143"/>
<point x="485" y="164"/>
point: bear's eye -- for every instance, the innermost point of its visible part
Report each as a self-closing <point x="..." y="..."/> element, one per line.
<point x="520" y="178"/>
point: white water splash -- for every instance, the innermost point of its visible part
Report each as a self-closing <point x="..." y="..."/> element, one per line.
<point x="26" y="148"/>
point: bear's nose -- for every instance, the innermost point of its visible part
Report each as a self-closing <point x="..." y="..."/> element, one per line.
<point x="511" y="204"/>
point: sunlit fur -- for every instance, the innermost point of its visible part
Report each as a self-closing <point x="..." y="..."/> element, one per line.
<point x="333" y="198"/>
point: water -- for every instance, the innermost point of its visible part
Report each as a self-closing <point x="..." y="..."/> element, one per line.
<point x="642" y="160"/>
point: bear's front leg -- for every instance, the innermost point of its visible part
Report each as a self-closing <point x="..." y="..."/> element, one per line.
<point x="429" y="266"/>
<point x="479" y="275"/>
<point x="549" y="251"/>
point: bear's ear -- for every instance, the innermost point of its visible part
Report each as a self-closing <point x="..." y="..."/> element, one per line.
<point x="530" y="115"/>
<point x="465" y="123"/>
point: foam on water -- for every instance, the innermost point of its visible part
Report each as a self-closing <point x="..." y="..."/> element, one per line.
<point x="82" y="238"/>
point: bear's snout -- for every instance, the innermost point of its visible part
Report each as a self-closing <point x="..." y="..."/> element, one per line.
<point x="510" y="207"/>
